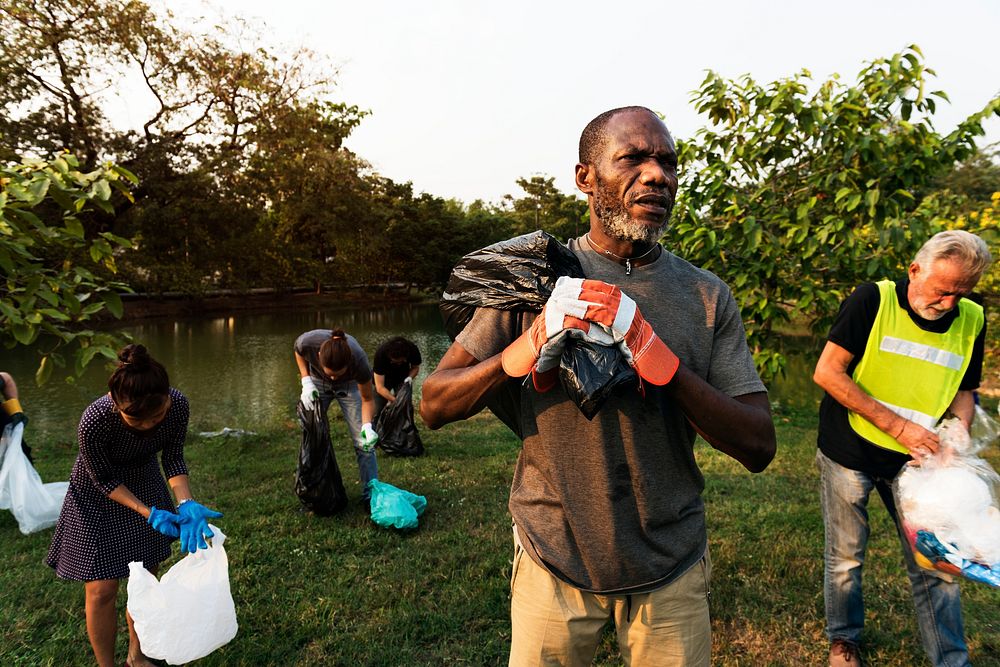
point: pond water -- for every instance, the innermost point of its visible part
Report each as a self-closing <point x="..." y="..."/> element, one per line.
<point x="239" y="370"/>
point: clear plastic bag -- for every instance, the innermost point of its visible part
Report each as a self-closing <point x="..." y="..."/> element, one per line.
<point x="35" y="505"/>
<point x="189" y="612"/>
<point x="948" y="504"/>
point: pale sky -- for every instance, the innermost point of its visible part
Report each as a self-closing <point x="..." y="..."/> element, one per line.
<point x="466" y="96"/>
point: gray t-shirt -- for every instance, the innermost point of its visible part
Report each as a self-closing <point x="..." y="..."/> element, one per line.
<point x="613" y="505"/>
<point x="307" y="346"/>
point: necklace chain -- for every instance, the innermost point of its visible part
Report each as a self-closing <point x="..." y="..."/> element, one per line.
<point x="628" y="260"/>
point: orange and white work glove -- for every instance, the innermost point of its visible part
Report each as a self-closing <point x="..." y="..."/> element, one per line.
<point x="606" y="305"/>
<point x="539" y="349"/>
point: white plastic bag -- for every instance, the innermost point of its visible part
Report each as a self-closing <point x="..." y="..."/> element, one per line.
<point x="189" y="612"/>
<point x="35" y="505"/>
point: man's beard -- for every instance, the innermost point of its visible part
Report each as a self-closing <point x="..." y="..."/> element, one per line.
<point x="619" y="225"/>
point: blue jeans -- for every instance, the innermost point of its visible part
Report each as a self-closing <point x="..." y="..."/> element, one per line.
<point x="844" y="497"/>
<point x="350" y="405"/>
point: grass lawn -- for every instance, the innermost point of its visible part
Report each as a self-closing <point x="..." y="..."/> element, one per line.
<point x="342" y="591"/>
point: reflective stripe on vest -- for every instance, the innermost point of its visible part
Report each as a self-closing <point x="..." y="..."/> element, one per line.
<point x="914" y="373"/>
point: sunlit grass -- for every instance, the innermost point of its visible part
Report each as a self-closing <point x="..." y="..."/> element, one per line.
<point x="342" y="591"/>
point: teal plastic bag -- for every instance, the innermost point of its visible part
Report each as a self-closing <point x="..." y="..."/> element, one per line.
<point x="393" y="507"/>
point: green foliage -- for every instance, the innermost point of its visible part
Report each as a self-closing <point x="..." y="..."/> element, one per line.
<point x="976" y="179"/>
<point x="57" y="277"/>
<point x="794" y="196"/>
<point x="985" y="223"/>
<point x="545" y="207"/>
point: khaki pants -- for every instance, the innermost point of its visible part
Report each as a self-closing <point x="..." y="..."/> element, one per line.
<point x="554" y="623"/>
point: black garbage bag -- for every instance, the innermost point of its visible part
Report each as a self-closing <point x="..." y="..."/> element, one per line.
<point x="318" y="483"/>
<point x="397" y="431"/>
<point x="519" y="274"/>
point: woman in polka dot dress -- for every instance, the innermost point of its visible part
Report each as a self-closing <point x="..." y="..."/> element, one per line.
<point x="110" y="514"/>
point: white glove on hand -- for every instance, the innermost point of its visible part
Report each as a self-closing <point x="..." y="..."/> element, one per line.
<point x="408" y="380"/>
<point x="310" y="394"/>
<point x="369" y="438"/>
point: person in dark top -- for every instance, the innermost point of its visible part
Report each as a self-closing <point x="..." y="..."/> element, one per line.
<point x="899" y="357"/>
<point x="397" y="360"/>
<point x="118" y="508"/>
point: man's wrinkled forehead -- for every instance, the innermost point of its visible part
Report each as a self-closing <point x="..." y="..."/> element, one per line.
<point x="638" y="130"/>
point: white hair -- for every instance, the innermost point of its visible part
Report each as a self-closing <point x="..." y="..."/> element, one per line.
<point x="956" y="244"/>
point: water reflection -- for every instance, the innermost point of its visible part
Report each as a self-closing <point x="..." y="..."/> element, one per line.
<point x="795" y="389"/>
<point x="239" y="370"/>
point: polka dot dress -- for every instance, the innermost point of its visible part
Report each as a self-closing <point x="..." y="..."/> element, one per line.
<point x="96" y="537"/>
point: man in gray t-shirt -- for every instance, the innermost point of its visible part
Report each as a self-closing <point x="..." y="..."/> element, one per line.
<point x="609" y="522"/>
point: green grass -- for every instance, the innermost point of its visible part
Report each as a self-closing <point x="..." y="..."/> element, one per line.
<point x="342" y="591"/>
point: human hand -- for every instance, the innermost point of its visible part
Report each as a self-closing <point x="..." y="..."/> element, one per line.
<point x="539" y="348"/>
<point x="408" y="380"/>
<point x="601" y="303"/>
<point x="920" y="442"/>
<point x="310" y="395"/>
<point x="194" y="525"/>
<point x="369" y="438"/>
<point x="164" y="522"/>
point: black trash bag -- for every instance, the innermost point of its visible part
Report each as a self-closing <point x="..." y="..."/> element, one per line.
<point x="318" y="483"/>
<point x="397" y="431"/>
<point x="520" y="274"/>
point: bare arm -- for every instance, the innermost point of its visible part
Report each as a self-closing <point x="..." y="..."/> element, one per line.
<point x="831" y="375"/>
<point x="303" y="366"/>
<point x="123" y="496"/>
<point x="367" y="402"/>
<point x="9" y="386"/>
<point x="739" y="426"/>
<point x="459" y="387"/>
<point x="414" y="371"/>
<point x="382" y="390"/>
<point x="964" y="407"/>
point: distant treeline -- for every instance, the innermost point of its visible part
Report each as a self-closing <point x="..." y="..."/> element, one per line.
<point x="238" y="178"/>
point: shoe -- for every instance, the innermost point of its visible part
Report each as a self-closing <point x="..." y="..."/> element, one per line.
<point x="844" y="654"/>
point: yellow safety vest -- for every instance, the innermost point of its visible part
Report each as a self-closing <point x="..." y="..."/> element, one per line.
<point x="914" y="373"/>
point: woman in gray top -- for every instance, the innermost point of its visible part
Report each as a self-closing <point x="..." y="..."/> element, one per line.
<point x="332" y="365"/>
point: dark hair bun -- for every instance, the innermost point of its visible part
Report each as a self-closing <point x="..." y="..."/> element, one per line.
<point x="338" y="333"/>
<point x="134" y="355"/>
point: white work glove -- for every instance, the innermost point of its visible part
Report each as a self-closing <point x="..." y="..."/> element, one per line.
<point x="310" y="395"/>
<point x="408" y="380"/>
<point x="369" y="438"/>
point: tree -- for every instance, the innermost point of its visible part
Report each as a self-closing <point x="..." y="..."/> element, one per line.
<point x="545" y="207"/>
<point x="976" y="178"/>
<point x="58" y="279"/>
<point x="985" y="223"/>
<point x="794" y="197"/>
<point x="216" y="110"/>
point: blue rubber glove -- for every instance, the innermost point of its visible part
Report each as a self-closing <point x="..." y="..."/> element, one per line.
<point x="164" y="522"/>
<point x="194" y="525"/>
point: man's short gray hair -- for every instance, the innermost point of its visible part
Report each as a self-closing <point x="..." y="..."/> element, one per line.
<point x="959" y="245"/>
